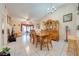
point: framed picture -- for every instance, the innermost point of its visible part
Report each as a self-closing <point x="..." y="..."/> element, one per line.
<point x="67" y="17"/>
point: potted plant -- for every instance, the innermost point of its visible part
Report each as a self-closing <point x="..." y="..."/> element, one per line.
<point x="5" y="52"/>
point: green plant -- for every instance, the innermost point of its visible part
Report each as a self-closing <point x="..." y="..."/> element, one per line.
<point x="5" y="50"/>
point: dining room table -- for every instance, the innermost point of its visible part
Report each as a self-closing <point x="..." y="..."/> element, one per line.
<point x="42" y="34"/>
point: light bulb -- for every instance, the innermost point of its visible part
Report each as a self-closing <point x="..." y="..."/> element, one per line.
<point x="48" y="9"/>
<point x="53" y="7"/>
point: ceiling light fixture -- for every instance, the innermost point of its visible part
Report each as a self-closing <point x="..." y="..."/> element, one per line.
<point x="51" y="9"/>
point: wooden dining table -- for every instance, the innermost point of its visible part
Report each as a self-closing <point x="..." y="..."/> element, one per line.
<point x="42" y="35"/>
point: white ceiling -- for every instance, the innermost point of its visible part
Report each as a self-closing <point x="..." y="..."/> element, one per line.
<point x="30" y="10"/>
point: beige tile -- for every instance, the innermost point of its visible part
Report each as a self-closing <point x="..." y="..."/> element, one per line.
<point x="22" y="47"/>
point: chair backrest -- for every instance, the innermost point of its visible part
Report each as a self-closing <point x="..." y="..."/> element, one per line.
<point x="73" y="44"/>
<point x="76" y="46"/>
<point x="48" y="36"/>
<point x="33" y="34"/>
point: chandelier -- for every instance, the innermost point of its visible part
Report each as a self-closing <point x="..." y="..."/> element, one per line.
<point x="51" y="9"/>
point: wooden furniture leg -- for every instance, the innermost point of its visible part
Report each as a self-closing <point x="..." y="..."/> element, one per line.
<point x="51" y="43"/>
<point x="41" y="44"/>
<point x="47" y="46"/>
<point x="36" y="43"/>
<point x="76" y="47"/>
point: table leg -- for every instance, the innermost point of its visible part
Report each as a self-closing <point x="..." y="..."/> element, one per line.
<point x="41" y="43"/>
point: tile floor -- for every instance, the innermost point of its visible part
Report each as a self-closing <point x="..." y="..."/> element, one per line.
<point x="23" y="47"/>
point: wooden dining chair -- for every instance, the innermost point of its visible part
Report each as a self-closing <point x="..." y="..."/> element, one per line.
<point x="76" y="47"/>
<point x="46" y="41"/>
<point x="31" y="36"/>
<point x="73" y="46"/>
<point x="34" y="37"/>
<point x="37" y="40"/>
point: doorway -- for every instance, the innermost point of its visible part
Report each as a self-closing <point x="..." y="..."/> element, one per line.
<point x="25" y="34"/>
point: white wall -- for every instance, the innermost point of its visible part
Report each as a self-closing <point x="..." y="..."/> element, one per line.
<point x="3" y="24"/>
<point x="0" y="32"/>
<point x="1" y="14"/>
